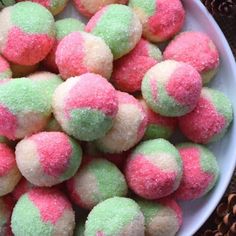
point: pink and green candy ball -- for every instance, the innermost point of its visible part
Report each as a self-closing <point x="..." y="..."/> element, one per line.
<point x="95" y="182"/>
<point x="27" y="32"/>
<point x="200" y="171"/>
<point x="123" y="214"/>
<point x="171" y="88"/>
<point x="5" y="69"/>
<point x="48" y="158"/>
<point x="43" y="211"/>
<point x="154" y="169"/>
<point x="119" y="26"/>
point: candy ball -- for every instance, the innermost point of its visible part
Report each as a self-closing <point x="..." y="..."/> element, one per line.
<point x="196" y="49"/>
<point x="119" y="26"/>
<point x="85" y="106"/>
<point x="43" y="212"/>
<point x="9" y="173"/>
<point x="172" y="88"/>
<point x="63" y="28"/>
<point x="6" y="3"/>
<point x="154" y="169"/>
<point x="128" y="127"/>
<point x="80" y="52"/>
<point x="54" y="6"/>
<point x="48" y="158"/>
<point x="161" y="19"/>
<point x="5" y="70"/>
<point x="115" y="216"/>
<point x="95" y="182"/>
<point x="19" y="71"/>
<point x="162" y="217"/>
<point x="209" y="121"/>
<point x="129" y="70"/>
<point x="24" y="108"/>
<point x="89" y="7"/>
<point x="27" y="33"/>
<point x="200" y="171"/>
<point x="158" y="126"/>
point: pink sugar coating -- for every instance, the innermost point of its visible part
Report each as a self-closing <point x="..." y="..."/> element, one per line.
<point x="4" y="65"/>
<point x="45" y="3"/>
<point x="195" y="181"/>
<point x="168" y="19"/>
<point x="100" y="233"/>
<point x="81" y="8"/>
<point x="141" y="49"/>
<point x="147" y="180"/>
<point x="50" y="60"/>
<point x="118" y="158"/>
<point x="202" y="123"/>
<point x="50" y="202"/>
<point x="195" y="48"/>
<point x="22" y="187"/>
<point x="55" y="156"/>
<point x="7" y="159"/>
<point x="95" y="92"/>
<point x="185" y="85"/>
<point x="26" y="49"/>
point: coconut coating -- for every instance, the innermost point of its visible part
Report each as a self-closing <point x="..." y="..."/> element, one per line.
<point x="210" y="120"/>
<point x="200" y="171"/>
<point x="63" y="28"/>
<point x="43" y="211"/>
<point x="119" y="26"/>
<point x="27" y="33"/>
<point x="89" y="7"/>
<point x="154" y="169"/>
<point x="196" y="49"/>
<point x="5" y="70"/>
<point x="95" y="182"/>
<point x="128" y="127"/>
<point x="161" y="19"/>
<point x="19" y="71"/>
<point x="85" y="106"/>
<point x="129" y="70"/>
<point x="48" y="158"/>
<point x="115" y="216"/>
<point x="26" y="112"/>
<point x="172" y="88"/>
<point x="54" y="6"/>
<point x="6" y="3"/>
<point x="162" y="217"/>
<point x="9" y="173"/>
<point x="158" y="126"/>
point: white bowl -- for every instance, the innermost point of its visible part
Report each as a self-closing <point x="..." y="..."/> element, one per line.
<point x="198" y="19"/>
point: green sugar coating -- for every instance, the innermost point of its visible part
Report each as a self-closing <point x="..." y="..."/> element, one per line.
<point x="111" y="216"/>
<point x="110" y="180"/>
<point x="26" y="219"/>
<point x="149" y="7"/>
<point x="6" y="74"/>
<point x="75" y="160"/>
<point x="27" y="97"/>
<point x="154" y="52"/>
<point x="157" y="131"/>
<point x="67" y="26"/>
<point x="55" y="4"/>
<point x="88" y="124"/>
<point x="114" y="27"/>
<point x="6" y="3"/>
<point x="33" y="18"/>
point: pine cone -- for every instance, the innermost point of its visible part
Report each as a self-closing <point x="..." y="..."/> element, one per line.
<point x="221" y="7"/>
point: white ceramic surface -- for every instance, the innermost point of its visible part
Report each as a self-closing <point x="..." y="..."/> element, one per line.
<point x="196" y="212"/>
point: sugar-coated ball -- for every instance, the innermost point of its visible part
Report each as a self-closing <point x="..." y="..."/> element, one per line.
<point x="200" y="171"/>
<point x="115" y="216"/>
<point x="128" y="71"/>
<point x="161" y="19"/>
<point x="196" y="49"/>
<point x="119" y="26"/>
<point x="48" y="158"/>
<point x="63" y="28"/>
<point x="172" y="88"/>
<point x="6" y="3"/>
<point x="43" y="212"/>
<point x="27" y="33"/>
<point x="19" y="71"/>
<point x="154" y="169"/>
<point x="158" y="126"/>
<point x="24" y="108"/>
<point x="210" y="120"/>
<point x="54" y="6"/>
<point x="85" y="106"/>
<point x="5" y="70"/>
<point x="9" y="173"/>
<point x="162" y="217"/>
<point x="128" y="127"/>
